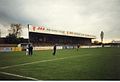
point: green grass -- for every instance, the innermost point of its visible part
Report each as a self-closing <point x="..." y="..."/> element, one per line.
<point x="84" y="64"/>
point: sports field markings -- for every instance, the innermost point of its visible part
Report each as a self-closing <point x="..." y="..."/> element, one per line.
<point x="11" y="74"/>
<point x="43" y="61"/>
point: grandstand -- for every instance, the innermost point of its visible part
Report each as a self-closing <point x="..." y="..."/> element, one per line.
<point x="42" y="36"/>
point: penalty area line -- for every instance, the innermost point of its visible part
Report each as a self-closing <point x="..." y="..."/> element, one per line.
<point x="43" y="61"/>
<point x="16" y="75"/>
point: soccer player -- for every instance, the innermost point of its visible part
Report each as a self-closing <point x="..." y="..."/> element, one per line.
<point x="78" y="47"/>
<point x="27" y="50"/>
<point x="30" y="49"/>
<point x="54" y="49"/>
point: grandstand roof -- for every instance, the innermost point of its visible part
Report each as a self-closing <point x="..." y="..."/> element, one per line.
<point x="42" y="29"/>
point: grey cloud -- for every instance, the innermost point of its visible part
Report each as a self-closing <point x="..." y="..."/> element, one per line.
<point x="86" y="16"/>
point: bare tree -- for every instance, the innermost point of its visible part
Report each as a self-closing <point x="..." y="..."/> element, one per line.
<point x="16" y="29"/>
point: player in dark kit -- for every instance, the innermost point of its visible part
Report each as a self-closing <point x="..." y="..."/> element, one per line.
<point x="30" y="49"/>
<point x="54" y="49"/>
<point x="78" y="46"/>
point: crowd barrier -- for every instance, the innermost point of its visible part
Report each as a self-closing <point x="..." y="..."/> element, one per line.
<point x="46" y="48"/>
<point x="9" y="49"/>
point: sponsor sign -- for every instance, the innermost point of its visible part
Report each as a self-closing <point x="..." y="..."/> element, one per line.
<point x="42" y="29"/>
<point x="46" y="48"/>
<point x="5" y="49"/>
<point x="16" y="49"/>
<point x="9" y="49"/>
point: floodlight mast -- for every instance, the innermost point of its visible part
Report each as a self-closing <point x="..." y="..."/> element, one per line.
<point x="102" y="36"/>
<point x="0" y="33"/>
<point x="28" y="35"/>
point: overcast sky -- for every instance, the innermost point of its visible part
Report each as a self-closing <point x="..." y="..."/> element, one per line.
<point x="84" y="16"/>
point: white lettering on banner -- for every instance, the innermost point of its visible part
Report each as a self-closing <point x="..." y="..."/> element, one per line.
<point x="43" y="29"/>
<point x="46" y="48"/>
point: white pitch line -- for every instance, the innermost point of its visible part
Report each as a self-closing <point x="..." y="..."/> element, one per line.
<point x="11" y="74"/>
<point x="41" y="61"/>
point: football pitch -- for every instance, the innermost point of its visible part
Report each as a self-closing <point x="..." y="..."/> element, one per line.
<point x="67" y="64"/>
